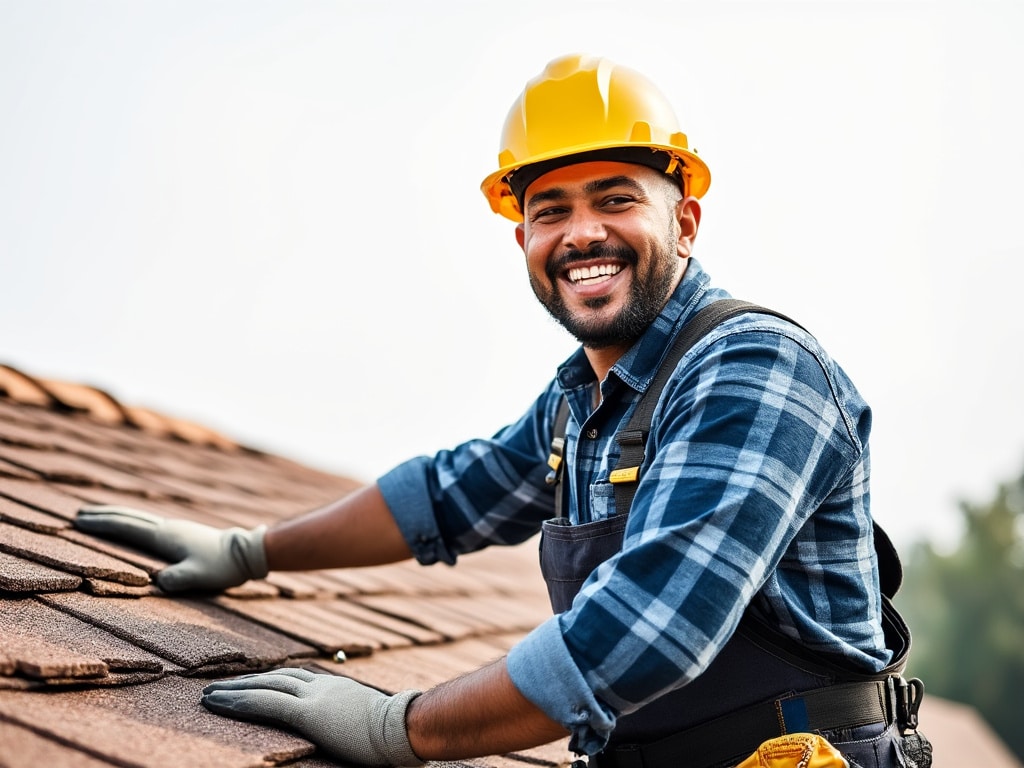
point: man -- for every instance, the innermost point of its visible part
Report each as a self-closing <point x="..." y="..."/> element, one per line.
<point x="743" y="568"/>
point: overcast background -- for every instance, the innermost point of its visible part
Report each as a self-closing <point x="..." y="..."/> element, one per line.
<point x="265" y="216"/>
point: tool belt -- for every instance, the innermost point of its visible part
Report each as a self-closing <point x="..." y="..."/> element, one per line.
<point x="734" y="736"/>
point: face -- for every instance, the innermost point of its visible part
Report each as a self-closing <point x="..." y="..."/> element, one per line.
<point x="606" y="243"/>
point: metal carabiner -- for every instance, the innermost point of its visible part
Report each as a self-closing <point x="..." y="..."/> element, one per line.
<point x="911" y="692"/>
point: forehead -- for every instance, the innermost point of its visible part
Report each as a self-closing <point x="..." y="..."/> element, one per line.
<point x="579" y="176"/>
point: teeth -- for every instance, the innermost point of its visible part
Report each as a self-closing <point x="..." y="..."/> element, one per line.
<point x="576" y="274"/>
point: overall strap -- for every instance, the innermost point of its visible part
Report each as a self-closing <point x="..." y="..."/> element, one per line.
<point x="556" y="459"/>
<point x="632" y="439"/>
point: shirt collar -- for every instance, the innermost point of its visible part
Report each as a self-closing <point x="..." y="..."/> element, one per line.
<point x="640" y="363"/>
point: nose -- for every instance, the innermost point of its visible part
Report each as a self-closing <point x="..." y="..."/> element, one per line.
<point x="583" y="229"/>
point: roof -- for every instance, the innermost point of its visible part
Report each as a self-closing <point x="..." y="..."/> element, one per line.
<point x="99" y="667"/>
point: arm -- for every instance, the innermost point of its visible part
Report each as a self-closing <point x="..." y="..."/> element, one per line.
<point x="753" y="436"/>
<point x="483" y="492"/>
<point x="361" y="520"/>
<point x="748" y="442"/>
<point x="356" y="530"/>
<point x="478" y="714"/>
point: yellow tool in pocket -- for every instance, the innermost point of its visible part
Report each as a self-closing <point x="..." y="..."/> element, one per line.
<point x="796" y="750"/>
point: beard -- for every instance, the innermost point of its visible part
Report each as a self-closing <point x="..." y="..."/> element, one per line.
<point x="648" y="293"/>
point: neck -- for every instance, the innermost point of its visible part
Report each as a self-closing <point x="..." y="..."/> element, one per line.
<point x="602" y="360"/>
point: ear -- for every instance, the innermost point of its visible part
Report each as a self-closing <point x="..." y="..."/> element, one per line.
<point x="688" y="220"/>
<point x="521" y="236"/>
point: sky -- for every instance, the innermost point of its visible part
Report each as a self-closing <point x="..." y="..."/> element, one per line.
<point x="265" y="216"/>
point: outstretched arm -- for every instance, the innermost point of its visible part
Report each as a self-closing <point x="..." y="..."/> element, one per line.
<point x="481" y="713"/>
<point x="356" y="530"/>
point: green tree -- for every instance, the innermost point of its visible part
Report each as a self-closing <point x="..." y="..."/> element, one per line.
<point x="966" y="612"/>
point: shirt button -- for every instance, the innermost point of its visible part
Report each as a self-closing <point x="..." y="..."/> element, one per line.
<point x="592" y="434"/>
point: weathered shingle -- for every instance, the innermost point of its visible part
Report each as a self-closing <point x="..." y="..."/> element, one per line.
<point x="160" y="724"/>
<point x="20" y="575"/>
<point x="60" y="553"/>
<point x="33" y="618"/>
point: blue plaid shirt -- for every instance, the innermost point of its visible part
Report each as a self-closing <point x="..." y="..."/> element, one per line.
<point x="754" y="492"/>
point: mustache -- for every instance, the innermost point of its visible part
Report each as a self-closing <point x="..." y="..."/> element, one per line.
<point x="600" y="251"/>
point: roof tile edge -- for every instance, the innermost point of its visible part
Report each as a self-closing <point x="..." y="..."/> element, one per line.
<point x="101" y="406"/>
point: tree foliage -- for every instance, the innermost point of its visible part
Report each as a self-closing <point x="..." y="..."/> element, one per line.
<point x="966" y="612"/>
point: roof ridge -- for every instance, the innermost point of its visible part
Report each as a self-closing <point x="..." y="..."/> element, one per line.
<point x="100" y="405"/>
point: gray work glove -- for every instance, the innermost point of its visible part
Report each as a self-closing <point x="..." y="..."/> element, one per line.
<point x="348" y="719"/>
<point x="204" y="558"/>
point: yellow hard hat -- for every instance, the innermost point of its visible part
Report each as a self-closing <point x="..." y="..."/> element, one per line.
<point x="580" y="105"/>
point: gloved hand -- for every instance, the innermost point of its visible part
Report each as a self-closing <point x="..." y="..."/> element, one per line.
<point x="348" y="719"/>
<point x="204" y="558"/>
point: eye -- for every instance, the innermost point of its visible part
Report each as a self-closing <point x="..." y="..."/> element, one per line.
<point x="550" y="213"/>
<point x="617" y="201"/>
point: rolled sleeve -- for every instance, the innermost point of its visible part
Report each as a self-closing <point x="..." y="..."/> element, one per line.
<point x="406" y="492"/>
<point x="542" y="657"/>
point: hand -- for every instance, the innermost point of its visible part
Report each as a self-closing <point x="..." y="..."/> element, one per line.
<point x="351" y="721"/>
<point x="204" y="558"/>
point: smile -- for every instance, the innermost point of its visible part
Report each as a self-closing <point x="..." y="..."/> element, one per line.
<point x="594" y="274"/>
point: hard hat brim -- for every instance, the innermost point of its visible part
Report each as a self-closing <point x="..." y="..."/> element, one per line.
<point x="502" y="200"/>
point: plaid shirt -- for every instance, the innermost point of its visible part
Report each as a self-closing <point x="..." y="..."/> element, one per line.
<point x="754" y="493"/>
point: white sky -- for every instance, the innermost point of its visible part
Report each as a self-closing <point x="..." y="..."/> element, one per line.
<point x="265" y="216"/>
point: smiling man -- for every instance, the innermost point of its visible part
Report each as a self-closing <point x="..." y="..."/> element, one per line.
<point x="699" y="471"/>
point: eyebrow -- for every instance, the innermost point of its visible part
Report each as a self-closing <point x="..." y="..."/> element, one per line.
<point x="591" y="187"/>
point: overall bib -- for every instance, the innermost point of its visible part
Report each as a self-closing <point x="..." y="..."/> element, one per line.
<point x="750" y="670"/>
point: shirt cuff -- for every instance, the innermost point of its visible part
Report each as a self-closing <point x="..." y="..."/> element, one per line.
<point x="541" y="657"/>
<point x="407" y="495"/>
